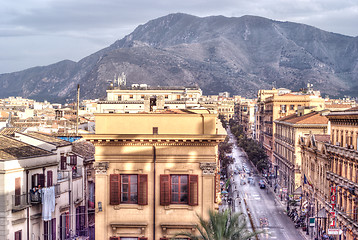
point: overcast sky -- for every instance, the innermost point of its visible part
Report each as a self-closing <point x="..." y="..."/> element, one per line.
<point x="42" y="32"/>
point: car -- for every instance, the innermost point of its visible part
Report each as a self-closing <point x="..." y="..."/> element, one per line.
<point x="262" y="184"/>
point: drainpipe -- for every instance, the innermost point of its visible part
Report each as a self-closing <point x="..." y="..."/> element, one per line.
<point x="154" y="212"/>
<point x="28" y="208"/>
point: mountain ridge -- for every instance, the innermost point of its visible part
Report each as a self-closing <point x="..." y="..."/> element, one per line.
<point x="238" y="55"/>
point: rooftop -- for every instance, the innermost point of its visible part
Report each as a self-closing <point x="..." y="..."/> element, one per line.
<point x="48" y="138"/>
<point x="310" y="118"/>
<point x="13" y="149"/>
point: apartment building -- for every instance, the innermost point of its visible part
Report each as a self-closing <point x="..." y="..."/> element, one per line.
<point x="245" y="110"/>
<point x="287" y="150"/>
<point x="278" y="106"/>
<point x="343" y="173"/>
<point x="315" y="185"/>
<point x="154" y="172"/>
<point x="41" y="172"/>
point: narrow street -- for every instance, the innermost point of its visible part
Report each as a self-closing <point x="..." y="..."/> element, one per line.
<point x="265" y="211"/>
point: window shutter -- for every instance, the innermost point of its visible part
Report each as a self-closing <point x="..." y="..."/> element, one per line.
<point x="18" y="235"/>
<point x="114" y="238"/>
<point x="46" y="230"/>
<point x="17" y="191"/>
<point x="82" y="220"/>
<point x="53" y="228"/>
<point x="115" y="189"/>
<point x="49" y="178"/>
<point x="41" y="179"/>
<point x="143" y="238"/>
<point x="193" y="190"/>
<point x="143" y="189"/>
<point x="78" y="221"/>
<point x="63" y="163"/>
<point x="164" y="189"/>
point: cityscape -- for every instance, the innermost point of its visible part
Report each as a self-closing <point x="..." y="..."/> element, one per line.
<point x="150" y="162"/>
<point x="179" y="120"/>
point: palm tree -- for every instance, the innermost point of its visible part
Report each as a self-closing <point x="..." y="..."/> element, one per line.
<point x="221" y="226"/>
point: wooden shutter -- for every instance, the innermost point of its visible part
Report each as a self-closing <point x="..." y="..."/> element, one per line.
<point x="143" y="189"/>
<point x="143" y="238"/>
<point x="41" y="179"/>
<point x="18" y="235"/>
<point x="114" y="238"/>
<point x="53" y="228"/>
<point x="78" y="214"/>
<point x="193" y="190"/>
<point x="115" y="187"/>
<point x="46" y="230"/>
<point x="49" y="178"/>
<point x="164" y="189"/>
<point x="17" y="191"/>
<point x="63" y="163"/>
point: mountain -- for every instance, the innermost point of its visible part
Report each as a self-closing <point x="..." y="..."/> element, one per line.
<point x="238" y="55"/>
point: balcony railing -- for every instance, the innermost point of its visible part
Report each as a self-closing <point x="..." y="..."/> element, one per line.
<point x="35" y="197"/>
<point x="19" y="202"/>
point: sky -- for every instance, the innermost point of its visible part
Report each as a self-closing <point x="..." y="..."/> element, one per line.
<point x="43" y="32"/>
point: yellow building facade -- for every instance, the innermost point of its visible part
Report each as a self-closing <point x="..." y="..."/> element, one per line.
<point x="155" y="172"/>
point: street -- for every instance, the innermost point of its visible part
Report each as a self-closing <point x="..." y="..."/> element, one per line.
<point x="267" y="213"/>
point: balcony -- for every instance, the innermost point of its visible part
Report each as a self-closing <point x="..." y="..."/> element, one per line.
<point x="35" y="197"/>
<point x="342" y="151"/>
<point x="19" y="202"/>
<point x="339" y="180"/>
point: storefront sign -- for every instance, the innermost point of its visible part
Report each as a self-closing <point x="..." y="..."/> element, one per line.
<point x="333" y="205"/>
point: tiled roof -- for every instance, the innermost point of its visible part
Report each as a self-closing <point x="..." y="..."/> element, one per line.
<point x="310" y="118"/>
<point x="10" y="131"/>
<point x="48" y="138"/>
<point x="13" y="149"/>
<point x="84" y="149"/>
<point x="353" y="109"/>
<point x="336" y="105"/>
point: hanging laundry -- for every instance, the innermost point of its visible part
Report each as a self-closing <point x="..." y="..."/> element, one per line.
<point x="48" y="202"/>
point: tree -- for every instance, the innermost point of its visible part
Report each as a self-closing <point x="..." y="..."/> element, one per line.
<point x="221" y="226"/>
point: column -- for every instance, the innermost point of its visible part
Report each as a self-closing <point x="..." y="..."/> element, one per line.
<point x="207" y="188"/>
<point x="102" y="186"/>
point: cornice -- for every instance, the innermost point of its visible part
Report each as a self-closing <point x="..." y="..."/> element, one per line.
<point x="149" y="140"/>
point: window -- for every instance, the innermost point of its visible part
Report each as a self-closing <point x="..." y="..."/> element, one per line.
<point x="63" y="163"/>
<point x="178" y="189"/>
<point x="125" y="188"/>
<point x="129" y="189"/>
<point x="166" y="96"/>
<point x="50" y="229"/>
<point x="131" y="96"/>
<point x="80" y="221"/>
<point x="292" y="107"/>
<point x="18" y="235"/>
<point x="155" y="130"/>
<point x="38" y="179"/>
<point x="142" y="96"/>
<point x="64" y="225"/>
<point x="178" y="97"/>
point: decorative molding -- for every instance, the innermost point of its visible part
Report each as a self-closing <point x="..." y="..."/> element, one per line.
<point x="208" y="168"/>
<point x="101" y="167"/>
